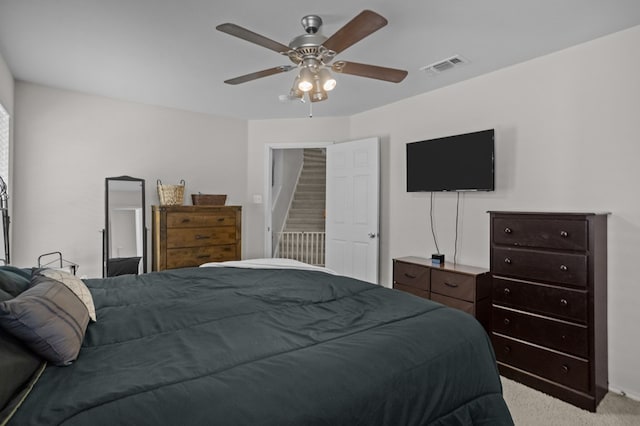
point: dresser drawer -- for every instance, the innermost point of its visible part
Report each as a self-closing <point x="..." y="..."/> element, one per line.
<point x="413" y="290"/>
<point x="463" y="305"/>
<point x="565" y="268"/>
<point x="561" y="234"/>
<point x="460" y="286"/>
<point x="196" y="256"/>
<point x="559" y="335"/>
<point x="550" y="300"/>
<point x="200" y="219"/>
<point x="564" y="369"/>
<point x="200" y="237"/>
<point x="412" y="275"/>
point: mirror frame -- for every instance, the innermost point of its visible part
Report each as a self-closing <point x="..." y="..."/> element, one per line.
<point x="105" y="238"/>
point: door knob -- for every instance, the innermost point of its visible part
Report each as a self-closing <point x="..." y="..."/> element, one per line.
<point x="372" y="235"/>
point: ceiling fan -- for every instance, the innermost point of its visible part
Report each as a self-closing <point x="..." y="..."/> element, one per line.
<point x="312" y="55"/>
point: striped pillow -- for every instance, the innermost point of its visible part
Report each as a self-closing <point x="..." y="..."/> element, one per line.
<point x="48" y="318"/>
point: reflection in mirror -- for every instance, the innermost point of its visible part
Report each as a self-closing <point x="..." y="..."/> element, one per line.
<point x="125" y="248"/>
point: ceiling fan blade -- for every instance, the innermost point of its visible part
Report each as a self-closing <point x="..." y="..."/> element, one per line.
<point x="259" y="74"/>
<point x="245" y="34"/>
<point x="364" y="24"/>
<point x="371" y="71"/>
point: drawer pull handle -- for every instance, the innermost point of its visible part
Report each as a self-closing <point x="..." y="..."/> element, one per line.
<point x="507" y="230"/>
<point x="564" y="234"/>
<point x="563" y="302"/>
<point x="507" y="349"/>
<point x="221" y="219"/>
<point x="408" y="275"/>
<point x="507" y="292"/>
<point x="202" y="237"/>
<point x="564" y="268"/>
<point x="186" y="220"/>
<point x="203" y="256"/>
<point x="507" y="321"/>
<point x="507" y="260"/>
<point x="565" y="369"/>
<point x="452" y="285"/>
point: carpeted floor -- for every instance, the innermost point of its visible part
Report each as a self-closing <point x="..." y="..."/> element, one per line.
<point x="532" y="408"/>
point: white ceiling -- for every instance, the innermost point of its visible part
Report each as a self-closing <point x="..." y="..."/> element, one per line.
<point x="168" y="53"/>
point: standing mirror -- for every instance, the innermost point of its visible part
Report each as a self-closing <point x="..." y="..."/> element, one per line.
<point x="125" y="242"/>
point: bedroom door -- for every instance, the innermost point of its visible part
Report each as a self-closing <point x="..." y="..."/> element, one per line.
<point x="352" y="219"/>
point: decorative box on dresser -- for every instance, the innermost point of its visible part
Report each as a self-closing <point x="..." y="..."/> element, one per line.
<point x="549" y="308"/>
<point x="459" y="286"/>
<point x="186" y="236"/>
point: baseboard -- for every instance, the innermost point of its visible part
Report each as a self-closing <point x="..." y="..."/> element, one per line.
<point x="624" y="393"/>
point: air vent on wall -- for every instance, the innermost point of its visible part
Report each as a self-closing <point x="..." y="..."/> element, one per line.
<point x="444" y="65"/>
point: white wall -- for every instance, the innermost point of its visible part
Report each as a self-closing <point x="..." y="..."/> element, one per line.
<point x="6" y="86"/>
<point x="567" y="139"/>
<point x="6" y="100"/>
<point x="67" y="143"/>
<point x="264" y="132"/>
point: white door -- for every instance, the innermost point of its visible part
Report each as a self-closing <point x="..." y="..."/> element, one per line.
<point x="353" y="194"/>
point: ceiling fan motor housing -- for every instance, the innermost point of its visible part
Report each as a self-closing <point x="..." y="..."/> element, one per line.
<point x="311" y="23"/>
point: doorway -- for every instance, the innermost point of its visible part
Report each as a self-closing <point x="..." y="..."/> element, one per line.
<point x="283" y="167"/>
<point x="351" y="219"/>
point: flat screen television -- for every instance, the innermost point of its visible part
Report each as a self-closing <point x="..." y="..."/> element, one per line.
<point x="453" y="163"/>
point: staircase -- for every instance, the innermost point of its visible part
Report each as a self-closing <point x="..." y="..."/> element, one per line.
<point x="303" y="235"/>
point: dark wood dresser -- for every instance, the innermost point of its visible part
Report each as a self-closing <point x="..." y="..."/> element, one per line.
<point x="185" y="236"/>
<point x="462" y="287"/>
<point x="549" y="310"/>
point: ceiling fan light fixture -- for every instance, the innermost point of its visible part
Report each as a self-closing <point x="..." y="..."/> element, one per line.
<point x="305" y="79"/>
<point x="295" y="92"/>
<point x="318" y="94"/>
<point x="327" y="80"/>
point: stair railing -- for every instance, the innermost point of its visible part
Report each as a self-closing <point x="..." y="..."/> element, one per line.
<point x="303" y="246"/>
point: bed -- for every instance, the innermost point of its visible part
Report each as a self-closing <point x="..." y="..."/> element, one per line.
<point x="265" y="345"/>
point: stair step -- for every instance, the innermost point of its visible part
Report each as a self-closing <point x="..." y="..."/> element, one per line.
<point x="303" y="220"/>
<point x="315" y="220"/>
<point x="305" y="209"/>
<point x="309" y="200"/>
<point x="310" y="195"/>
<point x="308" y="204"/>
<point x="314" y="160"/>
<point x="313" y="223"/>
<point x="311" y="187"/>
<point x="313" y="213"/>
<point x="318" y="183"/>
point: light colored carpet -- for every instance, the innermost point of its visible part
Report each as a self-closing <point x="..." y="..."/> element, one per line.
<point x="532" y="408"/>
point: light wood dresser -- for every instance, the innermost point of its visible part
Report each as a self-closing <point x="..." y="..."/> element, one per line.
<point x="549" y="317"/>
<point x="185" y="236"/>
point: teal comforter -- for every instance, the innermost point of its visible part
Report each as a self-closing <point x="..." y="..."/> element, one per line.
<point x="231" y="346"/>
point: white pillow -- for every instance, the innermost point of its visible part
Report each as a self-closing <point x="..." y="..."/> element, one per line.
<point x="75" y="284"/>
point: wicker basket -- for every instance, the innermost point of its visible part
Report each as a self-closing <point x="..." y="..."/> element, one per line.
<point x="171" y="195"/>
<point x="209" y="199"/>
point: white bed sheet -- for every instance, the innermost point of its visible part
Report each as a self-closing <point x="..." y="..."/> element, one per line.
<point x="268" y="263"/>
